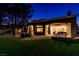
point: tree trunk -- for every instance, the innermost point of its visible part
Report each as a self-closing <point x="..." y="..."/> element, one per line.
<point x="14" y="25"/>
<point x="0" y="22"/>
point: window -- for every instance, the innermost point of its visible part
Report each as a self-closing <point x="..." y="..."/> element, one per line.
<point x="39" y="28"/>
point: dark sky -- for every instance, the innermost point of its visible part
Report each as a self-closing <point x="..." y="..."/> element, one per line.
<point x="52" y="10"/>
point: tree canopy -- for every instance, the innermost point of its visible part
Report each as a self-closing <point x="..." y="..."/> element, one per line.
<point x="17" y="10"/>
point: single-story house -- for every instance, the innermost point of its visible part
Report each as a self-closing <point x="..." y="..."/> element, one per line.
<point x="63" y="26"/>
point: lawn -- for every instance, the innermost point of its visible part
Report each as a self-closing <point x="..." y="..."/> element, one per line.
<point x="12" y="46"/>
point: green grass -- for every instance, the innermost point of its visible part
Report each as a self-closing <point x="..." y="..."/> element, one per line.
<point x="17" y="47"/>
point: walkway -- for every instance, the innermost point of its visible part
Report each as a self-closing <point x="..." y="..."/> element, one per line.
<point x="37" y="38"/>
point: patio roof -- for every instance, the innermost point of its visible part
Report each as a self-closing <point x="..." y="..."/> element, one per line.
<point x="53" y="20"/>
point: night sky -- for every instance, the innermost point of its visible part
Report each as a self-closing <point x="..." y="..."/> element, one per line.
<point x="53" y="10"/>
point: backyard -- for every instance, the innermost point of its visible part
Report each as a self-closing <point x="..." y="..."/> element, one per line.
<point x="12" y="46"/>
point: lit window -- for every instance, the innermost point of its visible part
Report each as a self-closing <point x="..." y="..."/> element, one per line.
<point x="39" y="28"/>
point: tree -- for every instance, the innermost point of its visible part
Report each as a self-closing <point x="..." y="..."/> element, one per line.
<point x="69" y="12"/>
<point x="3" y="10"/>
<point x="25" y="11"/>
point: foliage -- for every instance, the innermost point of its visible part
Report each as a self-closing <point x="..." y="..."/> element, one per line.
<point x="16" y="10"/>
<point x="3" y="10"/>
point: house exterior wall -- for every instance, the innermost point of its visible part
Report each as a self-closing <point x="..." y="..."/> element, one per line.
<point x="30" y="30"/>
<point x="69" y="30"/>
<point x="47" y="30"/>
<point x="73" y="27"/>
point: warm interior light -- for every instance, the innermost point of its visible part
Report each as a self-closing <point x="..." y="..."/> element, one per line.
<point x="39" y="28"/>
<point x="62" y="27"/>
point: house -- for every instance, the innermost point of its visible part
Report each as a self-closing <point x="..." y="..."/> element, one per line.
<point x="58" y="27"/>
